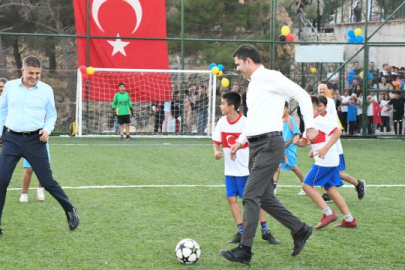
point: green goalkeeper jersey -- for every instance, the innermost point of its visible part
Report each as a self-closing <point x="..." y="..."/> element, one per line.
<point x="122" y="103"/>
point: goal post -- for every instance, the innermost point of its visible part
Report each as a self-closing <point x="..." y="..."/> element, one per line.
<point x="165" y="102"/>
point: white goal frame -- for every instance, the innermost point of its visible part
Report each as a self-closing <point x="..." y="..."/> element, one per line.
<point x="212" y="85"/>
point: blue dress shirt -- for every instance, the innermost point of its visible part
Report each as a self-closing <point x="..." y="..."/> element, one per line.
<point x="27" y="109"/>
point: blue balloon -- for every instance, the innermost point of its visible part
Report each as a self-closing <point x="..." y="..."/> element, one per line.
<point x="351" y="73"/>
<point x="350" y="80"/>
<point x="350" y="33"/>
<point x="212" y="65"/>
<point x="220" y="67"/>
<point x="352" y="39"/>
<point x="359" y="39"/>
<point x="370" y="76"/>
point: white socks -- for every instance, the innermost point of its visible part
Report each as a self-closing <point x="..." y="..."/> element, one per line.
<point x="348" y="217"/>
<point x="327" y="211"/>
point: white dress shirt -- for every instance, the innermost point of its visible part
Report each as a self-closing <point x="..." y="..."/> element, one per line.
<point x="266" y="95"/>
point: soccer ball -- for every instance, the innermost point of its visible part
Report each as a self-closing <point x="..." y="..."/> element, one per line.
<point x="188" y="251"/>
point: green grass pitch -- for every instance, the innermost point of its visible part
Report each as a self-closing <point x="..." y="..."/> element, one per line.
<point x="139" y="227"/>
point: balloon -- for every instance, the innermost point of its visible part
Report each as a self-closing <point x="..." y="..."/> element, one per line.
<point x="83" y="69"/>
<point x="225" y="82"/>
<point x="289" y="38"/>
<point x="285" y="30"/>
<point x="361" y="74"/>
<point x="281" y="37"/>
<point x="90" y="71"/>
<point x="357" y="32"/>
<point x="215" y="70"/>
<point x="352" y="40"/>
<point x="219" y="74"/>
<point x="350" y="33"/>
<point x="221" y="67"/>
<point x="351" y="73"/>
<point x="212" y="65"/>
<point x="85" y="76"/>
<point x="329" y="93"/>
<point x="359" y="39"/>
<point x="370" y="76"/>
<point x="312" y="69"/>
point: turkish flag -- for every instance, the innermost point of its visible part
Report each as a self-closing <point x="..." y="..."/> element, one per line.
<point x="118" y="19"/>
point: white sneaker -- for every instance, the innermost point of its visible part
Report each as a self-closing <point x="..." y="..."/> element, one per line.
<point x="24" y="198"/>
<point x="40" y="194"/>
<point x="302" y="193"/>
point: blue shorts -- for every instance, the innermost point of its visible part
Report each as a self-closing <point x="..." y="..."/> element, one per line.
<point x="323" y="176"/>
<point x="26" y="164"/>
<point x="235" y="185"/>
<point x="342" y="164"/>
<point x="288" y="162"/>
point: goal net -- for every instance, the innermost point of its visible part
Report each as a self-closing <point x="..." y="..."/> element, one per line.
<point x="165" y="102"/>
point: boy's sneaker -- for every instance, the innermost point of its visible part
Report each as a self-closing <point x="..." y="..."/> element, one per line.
<point x="326" y="198"/>
<point x="236" y="238"/>
<point x="346" y="224"/>
<point x="302" y="193"/>
<point x="267" y="236"/>
<point x="326" y="220"/>
<point x="40" y="194"/>
<point x="24" y="198"/>
<point x="361" y="189"/>
<point x="238" y="254"/>
<point x="300" y="238"/>
<point x="128" y="138"/>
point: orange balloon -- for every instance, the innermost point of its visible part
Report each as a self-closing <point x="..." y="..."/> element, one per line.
<point x="328" y="93"/>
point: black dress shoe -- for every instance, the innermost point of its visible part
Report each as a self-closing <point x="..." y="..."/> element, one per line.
<point x="300" y="238"/>
<point x="269" y="237"/>
<point x="73" y="219"/>
<point x="236" y="238"/>
<point x="1" y="231"/>
<point x="238" y="254"/>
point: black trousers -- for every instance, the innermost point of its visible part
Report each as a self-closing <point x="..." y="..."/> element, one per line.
<point x="385" y="123"/>
<point x="343" y="120"/>
<point x="159" y="118"/>
<point x="34" y="151"/>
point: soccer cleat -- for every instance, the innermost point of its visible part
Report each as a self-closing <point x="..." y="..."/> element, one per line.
<point x="40" y="194"/>
<point x="73" y="219"/>
<point x="300" y="239"/>
<point x="326" y="220"/>
<point x="302" y="193"/>
<point x="269" y="237"/>
<point x="346" y="224"/>
<point x="24" y="198"/>
<point x="361" y="189"/>
<point x="238" y="254"/>
<point x="236" y="238"/>
<point x="326" y="198"/>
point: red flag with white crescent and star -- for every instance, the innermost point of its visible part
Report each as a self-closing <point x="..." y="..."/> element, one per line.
<point x="122" y="18"/>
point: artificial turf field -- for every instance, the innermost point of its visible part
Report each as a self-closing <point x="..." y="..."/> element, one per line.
<point x="137" y="199"/>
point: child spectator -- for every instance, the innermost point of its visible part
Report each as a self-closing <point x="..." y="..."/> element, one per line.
<point x="343" y="109"/>
<point x="359" y="123"/>
<point x="385" y="113"/>
<point x="325" y="170"/>
<point x="371" y="98"/>
<point x="398" y="112"/>
<point x="352" y="115"/>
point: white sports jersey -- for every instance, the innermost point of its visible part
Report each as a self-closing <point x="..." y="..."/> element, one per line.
<point x="326" y="126"/>
<point x="332" y="112"/>
<point x="226" y="133"/>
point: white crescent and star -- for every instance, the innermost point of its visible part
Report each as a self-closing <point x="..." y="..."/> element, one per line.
<point x="118" y="45"/>
<point x="227" y="140"/>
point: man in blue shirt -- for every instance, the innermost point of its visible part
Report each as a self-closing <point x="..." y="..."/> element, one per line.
<point x="24" y="105"/>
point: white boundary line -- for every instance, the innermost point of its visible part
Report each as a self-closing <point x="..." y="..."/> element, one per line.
<point x="195" y="186"/>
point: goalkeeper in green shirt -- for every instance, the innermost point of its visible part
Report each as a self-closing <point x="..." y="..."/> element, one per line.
<point x="122" y="107"/>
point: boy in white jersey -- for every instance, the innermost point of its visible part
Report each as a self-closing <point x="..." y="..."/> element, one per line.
<point x="360" y="185"/>
<point x="227" y="131"/>
<point x="325" y="171"/>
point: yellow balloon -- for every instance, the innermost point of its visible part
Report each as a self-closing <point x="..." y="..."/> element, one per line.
<point x="225" y="82"/>
<point x="313" y="70"/>
<point x="357" y="32"/>
<point x="90" y="71"/>
<point x="215" y="70"/>
<point x="285" y="30"/>
<point x="219" y="73"/>
<point x="361" y="74"/>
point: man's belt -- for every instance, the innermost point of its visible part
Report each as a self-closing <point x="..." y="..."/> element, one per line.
<point x="25" y="133"/>
<point x="264" y="136"/>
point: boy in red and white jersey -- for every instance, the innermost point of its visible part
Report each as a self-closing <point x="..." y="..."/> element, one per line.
<point x="226" y="132"/>
<point x="325" y="171"/>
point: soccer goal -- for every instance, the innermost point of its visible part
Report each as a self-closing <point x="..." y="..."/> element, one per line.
<point x="165" y="102"/>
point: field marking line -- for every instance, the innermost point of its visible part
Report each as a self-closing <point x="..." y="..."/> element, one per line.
<point x="131" y="145"/>
<point x="194" y="186"/>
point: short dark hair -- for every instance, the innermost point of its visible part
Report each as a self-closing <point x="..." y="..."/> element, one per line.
<point x="121" y="83"/>
<point x="232" y="98"/>
<point x="315" y="100"/>
<point x="3" y="80"/>
<point x="286" y="104"/>
<point x="31" y="61"/>
<point x="248" y="51"/>
<point x="323" y="100"/>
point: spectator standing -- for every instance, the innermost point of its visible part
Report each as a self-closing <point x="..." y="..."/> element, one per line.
<point x="398" y="112"/>
<point x="352" y="115"/>
<point x="385" y="113"/>
<point x="357" y="12"/>
<point x="359" y="123"/>
<point x="201" y="107"/>
<point x="158" y="109"/>
<point x="343" y="109"/>
<point x="333" y="78"/>
<point x="371" y="98"/>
